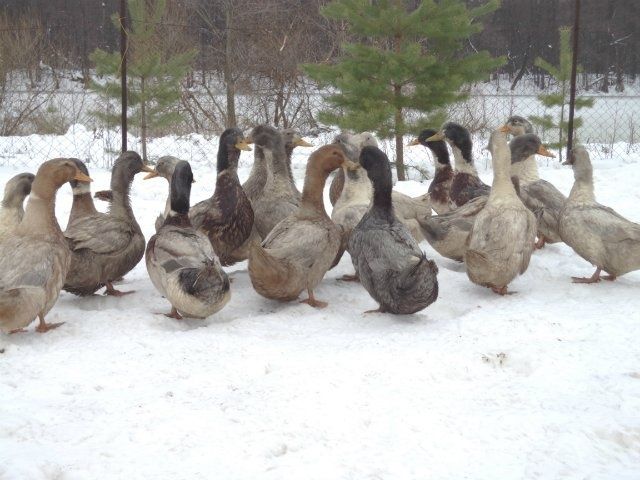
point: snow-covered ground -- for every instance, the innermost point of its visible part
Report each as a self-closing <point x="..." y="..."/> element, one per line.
<point x="543" y="384"/>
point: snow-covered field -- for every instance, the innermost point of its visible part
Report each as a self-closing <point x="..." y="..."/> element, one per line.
<point x="543" y="384"/>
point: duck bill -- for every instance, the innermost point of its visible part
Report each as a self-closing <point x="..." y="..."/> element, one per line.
<point x="413" y="142"/>
<point x="148" y="169"/>
<point x="435" y="137"/>
<point x="150" y="175"/>
<point x="542" y="150"/>
<point x="243" y="145"/>
<point x="349" y="165"/>
<point x="301" y="142"/>
<point x="505" y="129"/>
<point x="81" y="177"/>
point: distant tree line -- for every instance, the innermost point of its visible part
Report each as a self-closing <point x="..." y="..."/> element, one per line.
<point x="242" y="39"/>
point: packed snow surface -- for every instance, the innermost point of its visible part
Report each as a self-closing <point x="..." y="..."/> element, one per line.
<point x="541" y="384"/>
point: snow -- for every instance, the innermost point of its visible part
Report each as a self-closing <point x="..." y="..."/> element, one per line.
<point x="538" y="385"/>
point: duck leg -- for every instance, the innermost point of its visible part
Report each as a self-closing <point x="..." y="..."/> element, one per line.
<point x="349" y="278"/>
<point x="595" y="278"/>
<point x="500" y="290"/>
<point x="44" y="326"/>
<point x="541" y="241"/>
<point x="116" y="293"/>
<point x="312" y="300"/>
<point x="173" y="314"/>
<point x="377" y="310"/>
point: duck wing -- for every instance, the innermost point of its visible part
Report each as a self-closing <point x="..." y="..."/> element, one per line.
<point x="175" y="248"/>
<point x="26" y="264"/>
<point x="301" y="241"/>
<point x="101" y="234"/>
<point x="605" y="222"/>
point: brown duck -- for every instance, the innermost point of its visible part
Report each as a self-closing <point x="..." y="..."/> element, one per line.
<point x="227" y="217"/>
<point x="34" y="258"/>
<point x="300" y="249"/>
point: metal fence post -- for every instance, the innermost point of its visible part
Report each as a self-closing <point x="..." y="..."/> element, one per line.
<point x="574" y="69"/>
<point x="123" y="72"/>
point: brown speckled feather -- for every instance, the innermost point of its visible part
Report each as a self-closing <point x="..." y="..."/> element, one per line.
<point x="465" y="187"/>
<point x="226" y="218"/>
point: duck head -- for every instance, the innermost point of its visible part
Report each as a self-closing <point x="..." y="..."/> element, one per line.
<point x="164" y="168"/>
<point x="437" y="147"/>
<point x="77" y="186"/>
<point x="181" y="181"/>
<point x="523" y="146"/>
<point x="55" y="173"/>
<point x="365" y="139"/>
<point x="232" y="142"/>
<point x="516" y="125"/>
<point x="349" y="145"/>
<point x="457" y="136"/>
<point x="292" y="139"/>
<point x="125" y="169"/>
<point x="266" y="137"/>
<point x="580" y="162"/>
<point x="330" y="157"/>
<point x="17" y="188"/>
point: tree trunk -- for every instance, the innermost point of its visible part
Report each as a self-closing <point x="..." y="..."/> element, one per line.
<point x="143" y="120"/>
<point x="399" y="128"/>
<point x="229" y="81"/>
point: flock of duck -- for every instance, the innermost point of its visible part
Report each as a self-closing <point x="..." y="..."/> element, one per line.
<point x="287" y="236"/>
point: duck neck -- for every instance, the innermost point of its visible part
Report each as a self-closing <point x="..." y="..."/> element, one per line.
<point x="259" y="168"/>
<point x="40" y="214"/>
<point x="312" y="199"/>
<point x="582" y="190"/>
<point x="502" y="184"/>
<point x="227" y="159"/>
<point x="121" y="203"/>
<point x="463" y="165"/>
<point x="289" y="154"/>
<point x="357" y="187"/>
<point x="382" y="204"/>
<point x="526" y="170"/>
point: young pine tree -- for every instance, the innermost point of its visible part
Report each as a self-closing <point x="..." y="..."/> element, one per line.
<point x="153" y="79"/>
<point x="400" y="59"/>
<point x="562" y="76"/>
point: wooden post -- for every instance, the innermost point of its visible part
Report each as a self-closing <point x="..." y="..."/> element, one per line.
<point x="123" y="72"/>
<point x="574" y="69"/>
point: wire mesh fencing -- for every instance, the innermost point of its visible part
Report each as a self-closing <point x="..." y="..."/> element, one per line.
<point x="39" y="124"/>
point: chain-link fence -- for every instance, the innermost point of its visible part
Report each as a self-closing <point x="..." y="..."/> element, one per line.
<point x="63" y="123"/>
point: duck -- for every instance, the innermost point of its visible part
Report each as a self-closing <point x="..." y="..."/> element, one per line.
<point x="106" y="246"/>
<point x="441" y="184"/>
<point x="181" y="261"/>
<point x="501" y="239"/>
<point x="300" y="249"/>
<point x="540" y="196"/>
<point x="597" y="233"/>
<point x="448" y="233"/>
<point x="292" y="140"/>
<point x="34" y="257"/>
<point x="351" y="145"/>
<point x="465" y="185"/>
<point x="277" y="199"/>
<point x="390" y="264"/>
<point x="227" y="217"/>
<point x="11" y="208"/>
<point x="82" y="204"/>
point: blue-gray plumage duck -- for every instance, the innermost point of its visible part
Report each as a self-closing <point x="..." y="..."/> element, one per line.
<point x="389" y="262"/>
